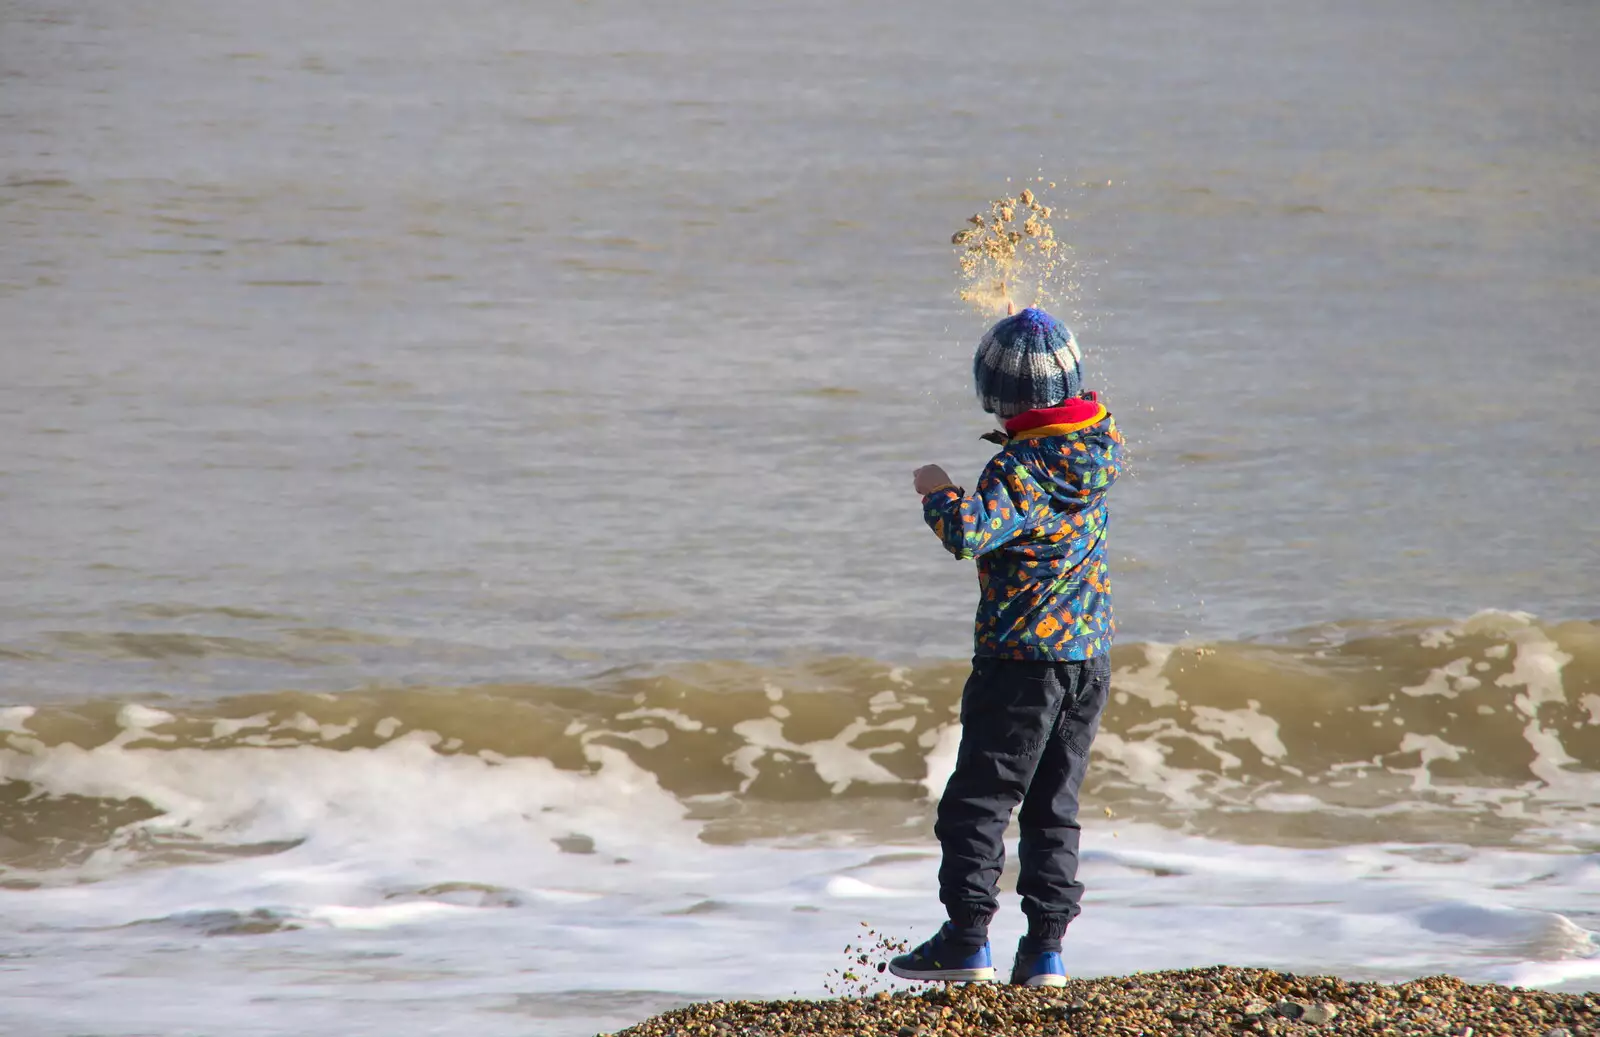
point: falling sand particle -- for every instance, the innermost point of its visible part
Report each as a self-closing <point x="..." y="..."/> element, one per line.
<point x="1011" y="255"/>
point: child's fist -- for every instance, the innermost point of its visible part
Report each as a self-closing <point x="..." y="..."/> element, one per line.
<point x="928" y="478"/>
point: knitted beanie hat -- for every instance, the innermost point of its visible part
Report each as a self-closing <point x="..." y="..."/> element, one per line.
<point x="1027" y="361"/>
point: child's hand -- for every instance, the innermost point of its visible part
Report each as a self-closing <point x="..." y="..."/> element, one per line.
<point x="928" y="478"/>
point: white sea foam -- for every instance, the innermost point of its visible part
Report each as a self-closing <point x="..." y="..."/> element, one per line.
<point x="835" y="759"/>
<point x="429" y="885"/>
<point x="941" y="758"/>
<point x="450" y="872"/>
<point x="1148" y="681"/>
<point x="1246" y="724"/>
<point x="15" y="718"/>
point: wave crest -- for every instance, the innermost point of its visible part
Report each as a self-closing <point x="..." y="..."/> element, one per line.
<point x="1485" y="730"/>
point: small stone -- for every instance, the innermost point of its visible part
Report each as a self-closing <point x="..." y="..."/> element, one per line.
<point x="1256" y="1008"/>
<point x="1318" y="1014"/>
<point x="1558" y="1031"/>
<point x="1289" y="1009"/>
<point x="907" y="1031"/>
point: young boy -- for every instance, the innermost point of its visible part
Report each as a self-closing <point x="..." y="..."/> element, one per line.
<point x="1037" y="526"/>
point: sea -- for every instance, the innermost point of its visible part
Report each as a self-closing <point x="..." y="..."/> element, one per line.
<point x="460" y="567"/>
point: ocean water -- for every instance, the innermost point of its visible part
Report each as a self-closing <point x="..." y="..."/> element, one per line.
<point x="461" y="566"/>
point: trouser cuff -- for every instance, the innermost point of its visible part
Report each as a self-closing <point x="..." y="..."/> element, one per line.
<point x="970" y="926"/>
<point x="1044" y="934"/>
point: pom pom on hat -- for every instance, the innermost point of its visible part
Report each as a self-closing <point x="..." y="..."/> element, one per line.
<point x="1025" y="362"/>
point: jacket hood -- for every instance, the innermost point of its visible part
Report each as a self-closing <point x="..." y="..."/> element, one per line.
<point x="1075" y="450"/>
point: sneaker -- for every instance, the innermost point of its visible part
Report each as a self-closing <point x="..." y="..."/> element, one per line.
<point x="1038" y="970"/>
<point x="933" y="960"/>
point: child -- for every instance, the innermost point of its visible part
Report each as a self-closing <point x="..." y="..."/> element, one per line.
<point x="1037" y="526"/>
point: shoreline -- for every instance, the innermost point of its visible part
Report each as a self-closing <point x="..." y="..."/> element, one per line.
<point x="1184" y="1003"/>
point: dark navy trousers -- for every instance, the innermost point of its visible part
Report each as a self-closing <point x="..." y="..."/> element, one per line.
<point x="1026" y="728"/>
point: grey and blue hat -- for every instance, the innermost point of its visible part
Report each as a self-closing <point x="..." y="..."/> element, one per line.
<point x="1026" y="362"/>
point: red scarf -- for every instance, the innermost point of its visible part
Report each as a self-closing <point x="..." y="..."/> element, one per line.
<point x="1081" y="412"/>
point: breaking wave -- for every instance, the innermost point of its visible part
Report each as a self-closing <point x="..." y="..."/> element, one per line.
<point x="1483" y="731"/>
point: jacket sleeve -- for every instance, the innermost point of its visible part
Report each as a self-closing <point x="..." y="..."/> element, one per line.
<point x="1005" y="505"/>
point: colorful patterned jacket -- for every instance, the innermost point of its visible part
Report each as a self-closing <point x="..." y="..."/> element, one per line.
<point x="1037" y="526"/>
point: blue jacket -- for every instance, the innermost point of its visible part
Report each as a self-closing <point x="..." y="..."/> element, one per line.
<point x="1037" y="526"/>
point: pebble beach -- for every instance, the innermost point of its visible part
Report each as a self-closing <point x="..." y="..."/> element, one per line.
<point x="1187" y="1003"/>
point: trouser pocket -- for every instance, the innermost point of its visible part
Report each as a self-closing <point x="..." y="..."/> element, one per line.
<point x="1086" y="694"/>
<point x="1008" y="707"/>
